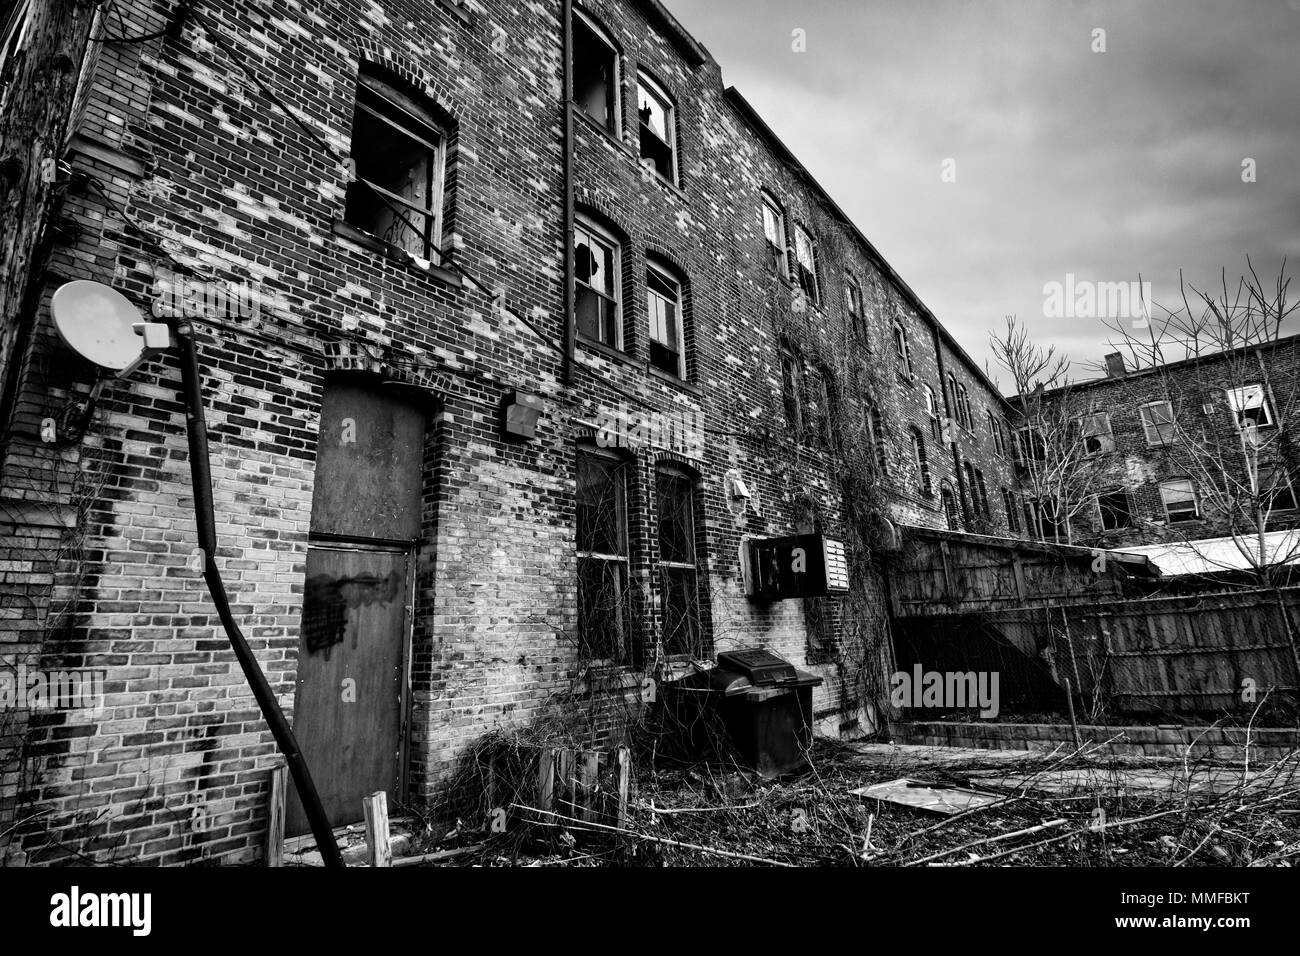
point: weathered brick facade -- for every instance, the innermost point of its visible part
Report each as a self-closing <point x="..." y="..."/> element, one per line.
<point x="1206" y="447"/>
<point x="193" y="163"/>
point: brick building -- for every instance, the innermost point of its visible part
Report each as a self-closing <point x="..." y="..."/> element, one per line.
<point x="362" y="207"/>
<point x="1187" y="450"/>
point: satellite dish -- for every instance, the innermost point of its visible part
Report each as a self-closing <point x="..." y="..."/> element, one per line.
<point x="98" y="323"/>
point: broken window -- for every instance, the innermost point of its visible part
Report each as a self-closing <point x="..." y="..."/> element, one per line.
<point x="595" y="72"/>
<point x="667" y="337"/>
<point x="675" y="491"/>
<point x="1158" y="422"/>
<point x="774" y="233"/>
<point x="982" y="491"/>
<point x="1179" y="497"/>
<point x="658" y="128"/>
<point x="805" y="255"/>
<point x="397" y="158"/>
<point x="1115" y="510"/>
<point x="604" y="605"/>
<point x="922" y="463"/>
<point x="1012" y="510"/>
<point x="1095" y="433"/>
<point x="1250" y="408"/>
<point x="596" y="266"/>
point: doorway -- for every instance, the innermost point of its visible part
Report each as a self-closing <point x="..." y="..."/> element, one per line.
<point x="353" y="651"/>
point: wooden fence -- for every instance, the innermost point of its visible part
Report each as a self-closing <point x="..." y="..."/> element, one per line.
<point x="1191" y="654"/>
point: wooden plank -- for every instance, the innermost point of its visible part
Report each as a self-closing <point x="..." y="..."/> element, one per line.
<point x="590" y="779"/>
<point x="565" y="766"/>
<point x="275" y="816"/>
<point x="380" y="851"/>
<point x="546" y="779"/>
<point x="624" y="762"/>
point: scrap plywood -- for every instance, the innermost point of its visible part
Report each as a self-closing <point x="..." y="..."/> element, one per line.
<point x="907" y="792"/>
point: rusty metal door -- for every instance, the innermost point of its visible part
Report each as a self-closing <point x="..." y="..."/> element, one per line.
<point x="349" y="706"/>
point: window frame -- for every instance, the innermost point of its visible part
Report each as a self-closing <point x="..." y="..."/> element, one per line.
<point x="1106" y="437"/>
<point x="1147" y="426"/>
<point x="620" y="468"/>
<point x="921" y="459"/>
<point x="903" y="348"/>
<point x="615" y="92"/>
<point x="1011" y="506"/>
<point x="1238" y="407"/>
<point x="603" y="235"/>
<point x="780" y="253"/>
<point x="803" y="232"/>
<point x="647" y="83"/>
<point x="667" y="470"/>
<point x="1165" y="485"/>
<point x="855" y="305"/>
<point x="419" y="113"/>
<point x="931" y="402"/>
<point x="665" y="274"/>
<point x="1102" y="511"/>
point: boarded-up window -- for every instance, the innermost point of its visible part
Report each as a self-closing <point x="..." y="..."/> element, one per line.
<point x="368" y="461"/>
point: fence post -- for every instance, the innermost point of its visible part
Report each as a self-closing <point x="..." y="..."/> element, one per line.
<point x="376" y="810"/>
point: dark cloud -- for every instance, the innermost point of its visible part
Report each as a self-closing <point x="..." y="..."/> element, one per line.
<point x="1106" y="165"/>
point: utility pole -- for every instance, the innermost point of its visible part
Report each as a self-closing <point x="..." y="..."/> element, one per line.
<point x="38" y="83"/>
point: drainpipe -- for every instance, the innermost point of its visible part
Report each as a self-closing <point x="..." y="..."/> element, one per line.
<point x="566" y="122"/>
<point x="947" y="410"/>
<point x="196" y="428"/>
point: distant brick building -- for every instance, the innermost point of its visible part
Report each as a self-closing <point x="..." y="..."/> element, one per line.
<point x="362" y="206"/>
<point x="1193" y="449"/>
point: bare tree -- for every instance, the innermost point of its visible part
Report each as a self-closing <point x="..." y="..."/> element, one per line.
<point x="1221" y="360"/>
<point x="1061" y="435"/>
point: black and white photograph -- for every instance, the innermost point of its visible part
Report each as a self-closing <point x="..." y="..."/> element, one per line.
<point x="511" y="442"/>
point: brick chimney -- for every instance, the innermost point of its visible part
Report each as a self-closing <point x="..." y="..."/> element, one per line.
<point x="1115" y="365"/>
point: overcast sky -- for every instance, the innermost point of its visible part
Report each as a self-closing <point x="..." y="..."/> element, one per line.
<point x="1104" y="165"/>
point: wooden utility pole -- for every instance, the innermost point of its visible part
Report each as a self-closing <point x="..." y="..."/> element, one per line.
<point x="40" y="85"/>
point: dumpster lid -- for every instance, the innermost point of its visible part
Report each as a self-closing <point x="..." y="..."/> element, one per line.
<point x="760" y="666"/>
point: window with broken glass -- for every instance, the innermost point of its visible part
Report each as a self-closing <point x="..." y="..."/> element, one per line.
<point x="1114" y="510"/>
<point x="397" y="155"/>
<point x="1095" y="433"/>
<point x="604" y="595"/>
<point x="1250" y="409"/>
<point x="678" y="576"/>
<point x="658" y="128"/>
<point x="805" y="254"/>
<point x="596" y="278"/>
<point x="595" y="72"/>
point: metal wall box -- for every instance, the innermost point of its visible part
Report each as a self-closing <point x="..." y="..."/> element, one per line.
<point x="797" y="566"/>
<point x="519" y="414"/>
